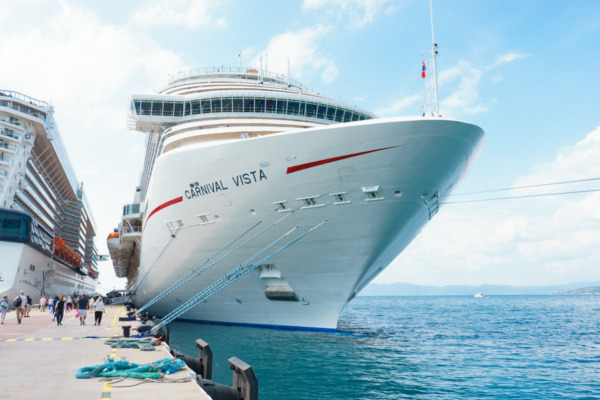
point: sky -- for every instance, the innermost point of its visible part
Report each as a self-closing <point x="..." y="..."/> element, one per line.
<point x="525" y="71"/>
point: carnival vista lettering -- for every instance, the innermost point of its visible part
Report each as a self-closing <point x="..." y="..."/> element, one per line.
<point x="243" y="179"/>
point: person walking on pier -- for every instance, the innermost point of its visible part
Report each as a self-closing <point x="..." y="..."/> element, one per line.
<point x="50" y="304"/>
<point x="60" y="310"/>
<point x="43" y="302"/>
<point x="98" y="311"/>
<point x="28" y="306"/>
<point x="82" y="306"/>
<point x="3" y="307"/>
<point x="20" y="304"/>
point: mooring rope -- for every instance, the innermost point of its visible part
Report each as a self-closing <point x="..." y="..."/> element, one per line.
<point x="126" y="369"/>
<point x="237" y="273"/>
<point x="194" y="272"/>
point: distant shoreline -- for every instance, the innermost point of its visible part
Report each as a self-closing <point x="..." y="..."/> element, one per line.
<point x="408" y="289"/>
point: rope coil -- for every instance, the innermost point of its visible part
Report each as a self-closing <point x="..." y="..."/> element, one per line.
<point x="126" y="369"/>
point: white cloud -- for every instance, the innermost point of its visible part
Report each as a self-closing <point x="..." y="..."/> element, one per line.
<point x="357" y="13"/>
<point x="301" y="49"/>
<point x="398" y="107"/>
<point x="537" y="241"/>
<point x="464" y="100"/>
<point x="190" y="14"/>
<point x="509" y="57"/>
<point x="464" y="80"/>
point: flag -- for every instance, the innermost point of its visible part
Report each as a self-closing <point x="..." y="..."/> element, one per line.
<point x="423" y="74"/>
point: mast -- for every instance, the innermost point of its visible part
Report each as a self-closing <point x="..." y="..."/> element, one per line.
<point x="434" y="52"/>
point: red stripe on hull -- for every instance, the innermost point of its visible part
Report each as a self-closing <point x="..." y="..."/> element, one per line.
<point x="301" y="167"/>
<point x="164" y="205"/>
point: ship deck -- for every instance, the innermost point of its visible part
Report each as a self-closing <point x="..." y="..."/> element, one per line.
<point x="41" y="360"/>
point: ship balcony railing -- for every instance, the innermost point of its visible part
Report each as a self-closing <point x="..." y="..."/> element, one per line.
<point x="245" y="72"/>
<point x="9" y="133"/>
<point x="23" y="97"/>
<point x="7" y="146"/>
<point x="10" y="120"/>
<point x="6" y="160"/>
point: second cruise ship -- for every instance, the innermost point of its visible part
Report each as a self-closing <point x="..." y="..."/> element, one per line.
<point x="46" y="227"/>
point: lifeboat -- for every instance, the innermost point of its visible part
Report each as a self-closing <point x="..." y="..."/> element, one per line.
<point x="252" y="71"/>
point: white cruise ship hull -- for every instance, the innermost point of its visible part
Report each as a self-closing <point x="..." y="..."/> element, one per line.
<point x="376" y="183"/>
<point x="24" y="268"/>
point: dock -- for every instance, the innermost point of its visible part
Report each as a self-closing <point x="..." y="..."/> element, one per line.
<point x="40" y="360"/>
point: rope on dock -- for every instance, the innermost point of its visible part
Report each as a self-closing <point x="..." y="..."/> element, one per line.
<point x="126" y="369"/>
<point x="145" y="344"/>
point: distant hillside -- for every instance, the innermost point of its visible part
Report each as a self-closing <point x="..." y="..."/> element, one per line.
<point x="408" y="289"/>
<point x="586" y="290"/>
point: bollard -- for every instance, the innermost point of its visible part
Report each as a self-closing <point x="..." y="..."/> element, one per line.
<point x="244" y="379"/>
<point x="205" y="356"/>
<point x="126" y="329"/>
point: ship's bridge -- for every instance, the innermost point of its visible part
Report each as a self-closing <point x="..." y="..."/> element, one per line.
<point x="235" y="94"/>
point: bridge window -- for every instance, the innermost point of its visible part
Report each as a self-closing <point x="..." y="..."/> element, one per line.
<point x="226" y="105"/>
<point x="145" y="107"/>
<point x="157" y="107"/>
<point x="205" y="106"/>
<point x="259" y="105"/>
<point x="311" y="110"/>
<point x="216" y="105"/>
<point x="195" y="107"/>
<point x="238" y="104"/>
<point x="270" y="105"/>
<point x="330" y="113"/>
<point x="281" y="107"/>
<point x="168" y="108"/>
<point x="249" y="104"/>
<point x="178" y="109"/>
<point x="321" y="111"/>
<point x="293" y="107"/>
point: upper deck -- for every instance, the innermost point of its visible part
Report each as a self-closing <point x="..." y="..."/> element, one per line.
<point x="225" y="93"/>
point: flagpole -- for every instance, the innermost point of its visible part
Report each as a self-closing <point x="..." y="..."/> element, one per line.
<point x="434" y="53"/>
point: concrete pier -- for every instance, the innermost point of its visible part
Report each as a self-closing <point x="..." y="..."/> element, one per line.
<point x="40" y="359"/>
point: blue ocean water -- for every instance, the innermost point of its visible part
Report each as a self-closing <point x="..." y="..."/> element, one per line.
<point x="447" y="347"/>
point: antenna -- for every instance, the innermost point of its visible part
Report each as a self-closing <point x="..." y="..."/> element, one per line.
<point x="434" y="52"/>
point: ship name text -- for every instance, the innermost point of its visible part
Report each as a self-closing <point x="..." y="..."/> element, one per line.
<point x="239" y="180"/>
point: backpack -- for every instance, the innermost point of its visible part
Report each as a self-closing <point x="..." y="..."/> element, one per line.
<point x="17" y="302"/>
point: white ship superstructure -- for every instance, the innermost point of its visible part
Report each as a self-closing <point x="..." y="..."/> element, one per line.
<point x="312" y="196"/>
<point x="46" y="228"/>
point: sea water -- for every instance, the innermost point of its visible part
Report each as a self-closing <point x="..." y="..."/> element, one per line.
<point x="446" y="347"/>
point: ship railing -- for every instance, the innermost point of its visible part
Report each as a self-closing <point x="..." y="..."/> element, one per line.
<point x="241" y="71"/>
<point x="23" y="97"/>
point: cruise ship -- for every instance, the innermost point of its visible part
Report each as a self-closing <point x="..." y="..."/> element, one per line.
<point x="264" y="203"/>
<point x="46" y="228"/>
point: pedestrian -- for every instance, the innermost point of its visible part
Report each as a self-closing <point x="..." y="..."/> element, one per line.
<point x="3" y="307"/>
<point x="98" y="311"/>
<point x="50" y="304"/>
<point x="82" y="306"/>
<point x="69" y="304"/>
<point x="43" y="303"/>
<point x="59" y="310"/>
<point x="54" y="303"/>
<point x="28" y="306"/>
<point x="20" y="304"/>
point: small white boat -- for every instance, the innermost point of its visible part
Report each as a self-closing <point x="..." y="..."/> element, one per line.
<point x="478" y="295"/>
